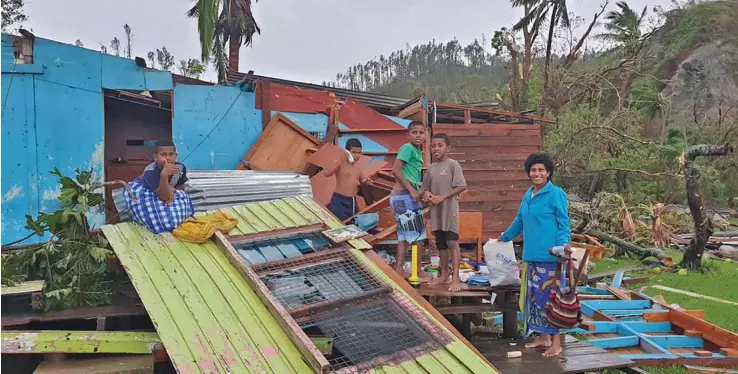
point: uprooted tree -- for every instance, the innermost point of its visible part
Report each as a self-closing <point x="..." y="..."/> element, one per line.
<point x="693" y="179"/>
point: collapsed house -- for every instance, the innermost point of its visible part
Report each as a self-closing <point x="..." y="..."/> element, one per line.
<point x="68" y="107"/>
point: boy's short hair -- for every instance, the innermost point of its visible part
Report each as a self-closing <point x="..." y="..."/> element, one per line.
<point x="165" y="143"/>
<point x="415" y="123"/>
<point x="353" y="143"/>
<point x="443" y="136"/>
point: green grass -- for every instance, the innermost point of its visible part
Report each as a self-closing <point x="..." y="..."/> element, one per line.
<point x="719" y="280"/>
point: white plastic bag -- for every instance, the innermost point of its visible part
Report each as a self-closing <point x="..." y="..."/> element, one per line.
<point x="501" y="263"/>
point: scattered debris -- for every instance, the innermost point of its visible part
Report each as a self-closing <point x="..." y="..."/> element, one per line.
<point x="688" y="293"/>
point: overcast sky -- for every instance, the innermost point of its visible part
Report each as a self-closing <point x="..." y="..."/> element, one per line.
<point x="304" y="40"/>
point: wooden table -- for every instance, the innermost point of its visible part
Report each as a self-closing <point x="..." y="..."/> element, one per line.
<point x="468" y="302"/>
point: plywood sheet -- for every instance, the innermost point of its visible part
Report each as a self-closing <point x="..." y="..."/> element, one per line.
<point x="283" y="146"/>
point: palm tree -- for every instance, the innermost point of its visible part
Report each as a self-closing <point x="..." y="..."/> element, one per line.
<point x="624" y="29"/>
<point x="559" y="17"/>
<point x="624" y="26"/>
<point x="234" y="25"/>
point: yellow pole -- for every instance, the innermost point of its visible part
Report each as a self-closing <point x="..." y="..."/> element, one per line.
<point x="414" y="280"/>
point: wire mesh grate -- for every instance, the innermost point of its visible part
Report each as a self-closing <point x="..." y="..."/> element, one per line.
<point x="374" y="334"/>
<point x="315" y="278"/>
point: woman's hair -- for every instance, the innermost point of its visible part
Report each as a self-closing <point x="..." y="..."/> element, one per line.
<point x="540" y="158"/>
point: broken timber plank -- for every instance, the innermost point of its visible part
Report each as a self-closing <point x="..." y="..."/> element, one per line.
<point x="107" y="365"/>
<point x="23" y="290"/>
<point x="59" y="341"/>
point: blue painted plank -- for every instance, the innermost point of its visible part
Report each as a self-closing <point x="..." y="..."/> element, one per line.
<point x="579" y="331"/>
<point x="617" y="304"/>
<point x="288" y="249"/>
<point x="617" y="280"/>
<point x="630" y="312"/>
<point x="316" y="242"/>
<point x="587" y="310"/>
<point x="270" y="252"/>
<point x="692" y="355"/>
<point x="647" y="356"/>
<point x="649" y="327"/>
<point x="651" y="347"/>
<point x="592" y="291"/>
<point x="302" y="246"/>
<point x="635" y="318"/>
<point x="677" y="341"/>
<point x="620" y="342"/>
<point x="252" y="256"/>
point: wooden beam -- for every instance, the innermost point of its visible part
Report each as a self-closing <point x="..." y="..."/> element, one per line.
<point x="333" y="128"/>
<point x="467" y="309"/>
<point x="338" y="304"/>
<point x="278" y="234"/>
<point x="266" y="103"/>
<point x="496" y="112"/>
<point x="380" y="130"/>
<point x="60" y="341"/>
<point x="310" y="353"/>
<point x="411" y="109"/>
<point x="656" y="317"/>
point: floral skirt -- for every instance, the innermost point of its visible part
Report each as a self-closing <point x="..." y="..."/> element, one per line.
<point x="538" y="277"/>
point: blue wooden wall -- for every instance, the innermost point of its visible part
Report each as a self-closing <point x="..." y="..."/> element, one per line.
<point x="52" y="116"/>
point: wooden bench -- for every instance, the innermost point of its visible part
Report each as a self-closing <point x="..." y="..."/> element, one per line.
<point x="468" y="302"/>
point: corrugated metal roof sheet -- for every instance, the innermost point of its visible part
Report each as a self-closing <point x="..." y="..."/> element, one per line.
<point x="213" y="189"/>
<point x="377" y="101"/>
<point x="210" y="320"/>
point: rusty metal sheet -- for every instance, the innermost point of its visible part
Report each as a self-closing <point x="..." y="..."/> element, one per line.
<point x="297" y="100"/>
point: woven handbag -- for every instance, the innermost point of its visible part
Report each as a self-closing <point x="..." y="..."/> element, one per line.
<point x="562" y="309"/>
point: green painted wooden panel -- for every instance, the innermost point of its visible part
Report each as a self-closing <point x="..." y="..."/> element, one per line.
<point x="59" y="341"/>
<point x="264" y="332"/>
<point x="283" y="219"/>
<point x="211" y="298"/>
<point x="211" y="313"/>
<point x="214" y="318"/>
<point x="177" y="343"/>
<point x="267" y="219"/>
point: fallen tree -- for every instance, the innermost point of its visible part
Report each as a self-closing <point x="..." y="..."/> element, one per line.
<point x="702" y="223"/>
<point x="626" y="246"/>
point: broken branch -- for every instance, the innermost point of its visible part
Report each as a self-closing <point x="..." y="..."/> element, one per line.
<point x="626" y="246"/>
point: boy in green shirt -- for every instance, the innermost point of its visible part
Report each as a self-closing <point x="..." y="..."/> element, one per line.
<point x="404" y="200"/>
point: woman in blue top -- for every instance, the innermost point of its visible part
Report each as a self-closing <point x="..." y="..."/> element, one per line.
<point x="543" y="219"/>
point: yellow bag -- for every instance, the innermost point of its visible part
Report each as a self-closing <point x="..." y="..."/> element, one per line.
<point x="200" y="229"/>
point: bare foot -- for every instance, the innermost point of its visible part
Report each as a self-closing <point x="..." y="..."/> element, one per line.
<point x="455" y="286"/>
<point x="553" y="351"/>
<point x="540" y="341"/>
<point x="439" y="280"/>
